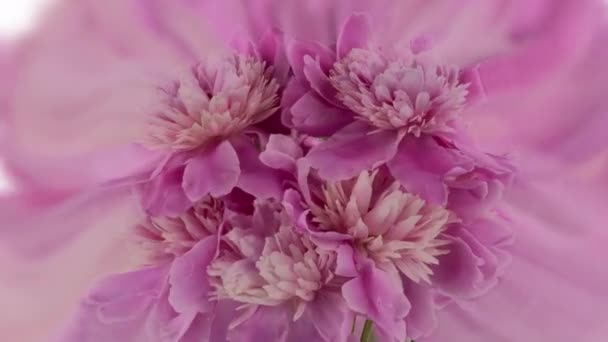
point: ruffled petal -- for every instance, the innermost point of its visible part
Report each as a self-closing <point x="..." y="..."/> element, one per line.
<point x="214" y="171"/>
<point x="298" y="51"/>
<point x="188" y="278"/>
<point x="319" y="81"/>
<point x="422" y="318"/>
<point x="268" y="323"/>
<point x="331" y="317"/>
<point x="553" y="288"/>
<point x="164" y="194"/>
<point x="281" y="153"/>
<point x="374" y="294"/>
<point x="420" y="165"/>
<point x="117" y="308"/>
<point x="352" y="150"/>
<point x="311" y="115"/>
<point x="458" y="271"/>
<point x="355" y="33"/>
<point x="256" y="178"/>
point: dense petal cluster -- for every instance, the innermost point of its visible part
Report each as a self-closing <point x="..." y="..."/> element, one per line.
<point x="401" y="93"/>
<point x="162" y="237"/>
<point x="214" y="100"/>
<point x="269" y="268"/>
<point x="387" y="224"/>
<point x="367" y="202"/>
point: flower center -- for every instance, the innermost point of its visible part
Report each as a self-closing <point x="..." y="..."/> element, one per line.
<point x="405" y="93"/>
<point x="212" y="101"/>
<point x="270" y="270"/>
<point x="162" y="238"/>
<point x="387" y="224"/>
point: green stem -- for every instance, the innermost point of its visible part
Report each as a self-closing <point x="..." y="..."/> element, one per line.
<point x="368" y="334"/>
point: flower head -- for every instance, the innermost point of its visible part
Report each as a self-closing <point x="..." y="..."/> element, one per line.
<point x="385" y="222"/>
<point x="161" y="237"/>
<point x="214" y="100"/>
<point x="404" y="92"/>
<point x="282" y="268"/>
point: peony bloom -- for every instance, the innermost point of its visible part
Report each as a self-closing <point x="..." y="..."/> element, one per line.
<point x="202" y="127"/>
<point x="405" y="169"/>
<point x="216" y="274"/>
<point x="387" y="237"/>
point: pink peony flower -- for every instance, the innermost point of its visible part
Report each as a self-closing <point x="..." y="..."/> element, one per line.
<point x="215" y="274"/>
<point x="387" y="236"/>
<point x="346" y="170"/>
<point x="203" y="124"/>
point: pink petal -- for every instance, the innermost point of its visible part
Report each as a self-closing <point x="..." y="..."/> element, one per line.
<point x="421" y="320"/>
<point x="272" y="50"/>
<point x="566" y="31"/>
<point x="420" y="165"/>
<point x="292" y="93"/>
<point x="188" y="278"/>
<point x="51" y="279"/>
<point x="554" y="290"/>
<point x="256" y="178"/>
<point x="374" y="294"/>
<point x="458" y="271"/>
<point x="164" y="194"/>
<point x="117" y="308"/>
<point x="311" y="115"/>
<point x="298" y="50"/>
<point x="345" y="262"/>
<point x="355" y="33"/>
<point x="108" y="165"/>
<point x="281" y="153"/>
<point x="127" y="296"/>
<point x="65" y="220"/>
<point x="319" y="81"/>
<point x="351" y="150"/>
<point x="214" y="171"/>
<point x="269" y="323"/>
<point x="331" y="317"/>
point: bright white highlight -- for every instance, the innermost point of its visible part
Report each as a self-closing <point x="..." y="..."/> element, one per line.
<point x="17" y="17"/>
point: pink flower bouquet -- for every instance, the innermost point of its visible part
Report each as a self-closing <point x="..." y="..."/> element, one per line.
<point x="306" y="171"/>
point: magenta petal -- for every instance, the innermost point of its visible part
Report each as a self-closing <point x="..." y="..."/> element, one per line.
<point x="493" y="262"/>
<point x="269" y="323"/>
<point x="292" y="93"/>
<point x="473" y="203"/>
<point x="319" y="81"/>
<point x="565" y="32"/>
<point x="374" y="294"/>
<point x="214" y="171"/>
<point x="272" y="50"/>
<point x="476" y="91"/>
<point x="117" y="308"/>
<point x="147" y="282"/>
<point x="256" y="178"/>
<point x="351" y="150"/>
<point x="331" y="317"/>
<point x="420" y="165"/>
<point x="421" y="320"/>
<point x="354" y="34"/>
<point x="165" y="324"/>
<point x="188" y="278"/>
<point x="311" y="115"/>
<point x="297" y="50"/>
<point x="458" y="272"/>
<point x="555" y="288"/>
<point x="199" y="329"/>
<point x="164" y="194"/>
<point x="345" y="262"/>
<point x="281" y="153"/>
